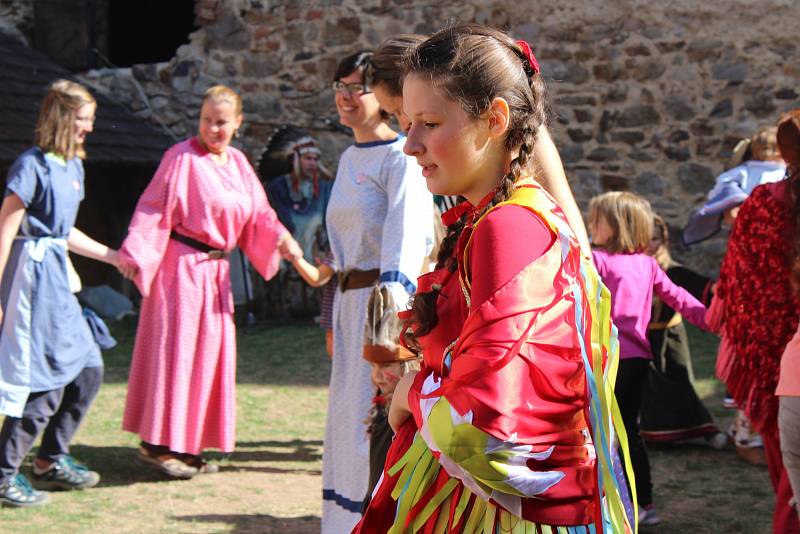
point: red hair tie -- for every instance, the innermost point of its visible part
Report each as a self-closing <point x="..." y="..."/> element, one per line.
<point x="528" y="53"/>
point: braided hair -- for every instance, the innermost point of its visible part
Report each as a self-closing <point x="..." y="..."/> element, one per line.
<point x="473" y="64"/>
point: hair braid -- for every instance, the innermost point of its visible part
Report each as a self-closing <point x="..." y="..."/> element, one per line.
<point x="424" y="304"/>
<point x="519" y="164"/>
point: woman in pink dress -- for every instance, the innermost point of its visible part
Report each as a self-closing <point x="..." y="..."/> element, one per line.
<point x="203" y="201"/>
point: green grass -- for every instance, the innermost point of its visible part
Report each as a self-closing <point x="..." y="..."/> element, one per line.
<point x="272" y="482"/>
<point x="698" y="489"/>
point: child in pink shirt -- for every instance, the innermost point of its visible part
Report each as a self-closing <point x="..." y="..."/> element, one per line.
<point x="621" y="226"/>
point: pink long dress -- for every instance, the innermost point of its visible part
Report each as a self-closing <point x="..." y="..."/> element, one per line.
<point x="181" y="387"/>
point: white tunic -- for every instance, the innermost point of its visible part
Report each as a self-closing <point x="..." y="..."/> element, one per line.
<point x="380" y="216"/>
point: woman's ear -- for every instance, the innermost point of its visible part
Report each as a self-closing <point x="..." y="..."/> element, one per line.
<point x="499" y="115"/>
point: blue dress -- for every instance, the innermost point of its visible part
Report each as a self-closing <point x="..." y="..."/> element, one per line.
<point x="44" y="340"/>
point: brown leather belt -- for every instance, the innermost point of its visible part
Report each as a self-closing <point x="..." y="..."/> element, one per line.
<point x="213" y="253"/>
<point x="356" y="279"/>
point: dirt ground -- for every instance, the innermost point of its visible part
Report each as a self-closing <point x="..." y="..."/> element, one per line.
<point x="272" y="482"/>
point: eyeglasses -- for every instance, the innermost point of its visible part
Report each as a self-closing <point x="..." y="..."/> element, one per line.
<point x="85" y="120"/>
<point x="350" y="88"/>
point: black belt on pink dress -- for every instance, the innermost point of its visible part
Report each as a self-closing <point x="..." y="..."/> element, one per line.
<point x="213" y="253"/>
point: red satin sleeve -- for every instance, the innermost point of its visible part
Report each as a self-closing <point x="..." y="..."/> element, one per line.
<point x="507" y="240"/>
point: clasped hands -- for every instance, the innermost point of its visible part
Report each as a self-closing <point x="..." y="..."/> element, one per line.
<point x="289" y="249"/>
<point x="127" y="270"/>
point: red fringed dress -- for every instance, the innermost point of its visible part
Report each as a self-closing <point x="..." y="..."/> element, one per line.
<point x="760" y="309"/>
<point x="500" y="439"/>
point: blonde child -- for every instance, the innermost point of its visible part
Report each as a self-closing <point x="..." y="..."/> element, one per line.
<point x="50" y="365"/>
<point x="621" y="225"/>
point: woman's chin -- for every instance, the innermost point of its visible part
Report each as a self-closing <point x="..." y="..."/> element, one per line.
<point x="436" y="188"/>
<point x="346" y="120"/>
<point x="215" y="148"/>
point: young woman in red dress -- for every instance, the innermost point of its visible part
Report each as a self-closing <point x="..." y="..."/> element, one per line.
<point x="506" y="427"/>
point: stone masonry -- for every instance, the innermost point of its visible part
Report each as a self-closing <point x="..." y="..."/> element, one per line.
<point x="645" y="96"/>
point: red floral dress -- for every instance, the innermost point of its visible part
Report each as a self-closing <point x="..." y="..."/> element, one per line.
<point x="760" y="310"/>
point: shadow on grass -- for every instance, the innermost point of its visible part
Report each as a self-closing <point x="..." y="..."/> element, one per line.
<point x="296" y="451"/>
<point x="292" y="354"/>
<point x="259" y="523"/>
<point x="118" y="466"/>
<point x="270" y="470"/>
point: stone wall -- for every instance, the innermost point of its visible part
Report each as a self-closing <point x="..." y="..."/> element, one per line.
<point x="645" y="96"/>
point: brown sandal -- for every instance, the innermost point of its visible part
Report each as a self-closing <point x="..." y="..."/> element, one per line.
<point x="201" y="464"/>
<point x="167" y="463"/>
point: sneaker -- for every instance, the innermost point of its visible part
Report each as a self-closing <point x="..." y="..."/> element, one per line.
<point x="65" y="474"/>
<point x="648" y="515"/>
<point x="728" y="401"/>
<point x="18" y="493"/>
<point x="718" y="441"/>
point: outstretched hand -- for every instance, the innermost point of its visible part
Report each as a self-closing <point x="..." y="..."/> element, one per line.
<point x="289" y="249"/>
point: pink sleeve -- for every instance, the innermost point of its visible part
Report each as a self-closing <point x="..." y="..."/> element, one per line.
<point x="148" y="232"/>
<point x="678" y="298"/>
<point x="504" y="243"/>
<point x="262" y="232"/>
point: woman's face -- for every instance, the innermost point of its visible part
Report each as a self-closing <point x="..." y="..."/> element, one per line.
<point x="84" y="122"/>
<point x="392" y="104"/>
<point x="356" y="108"/>
<point x="454" y="150"/>
<point x="218" y="122"/>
